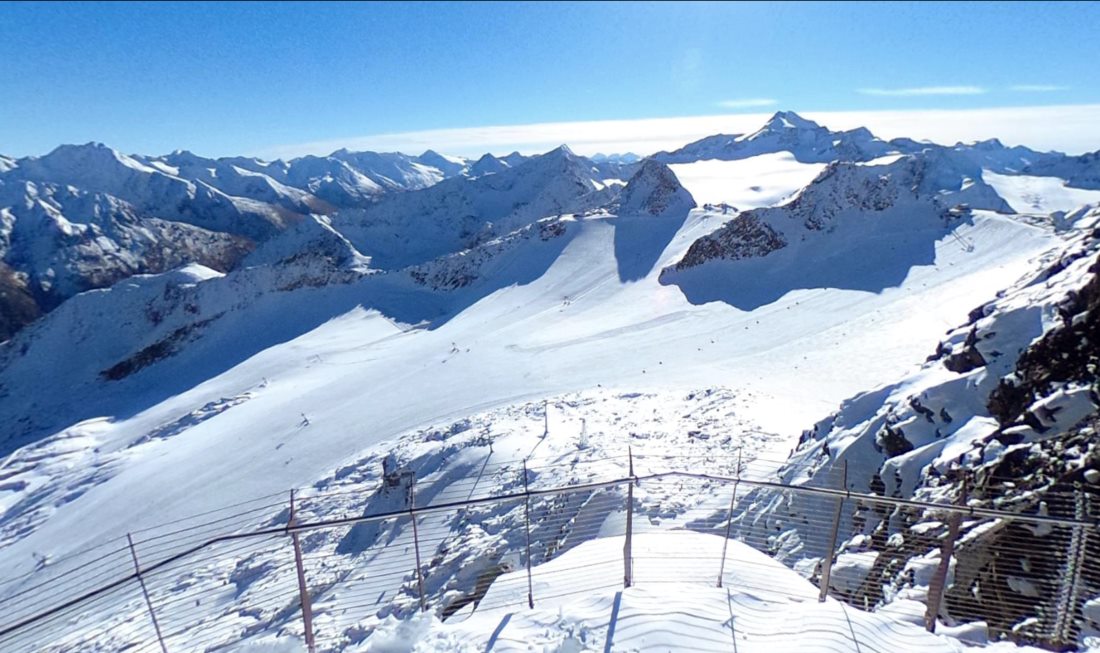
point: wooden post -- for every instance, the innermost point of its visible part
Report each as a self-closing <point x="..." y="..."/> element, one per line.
<point x="627" y="555"/>
<point x="145" y="593"/>
<point x="939" y="581"/>
<point x="527" y="521"/>
<point x="729" y="519"/>
<point x="827" y="561"/>
<point x="303" y="591"/>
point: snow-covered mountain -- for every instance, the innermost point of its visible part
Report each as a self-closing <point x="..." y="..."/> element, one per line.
<point x="450" y="166"/>
<point x="457" y="214"/>
<point x="455" y="321"/>
<point x="84" y="217"/>
<point x="655" y="190"/>
<point x="786" y="131"/>
<point x="855" y="226"/>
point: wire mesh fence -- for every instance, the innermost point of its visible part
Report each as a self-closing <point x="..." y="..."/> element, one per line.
<point x="324" y="567"/>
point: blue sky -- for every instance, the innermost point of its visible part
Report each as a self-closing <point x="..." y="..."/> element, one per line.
<point x="281" y="79"/>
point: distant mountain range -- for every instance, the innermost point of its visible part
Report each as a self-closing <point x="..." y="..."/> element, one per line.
<point x="86" y="216"/>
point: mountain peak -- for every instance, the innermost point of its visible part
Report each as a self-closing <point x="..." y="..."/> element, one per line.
<point x="561" y="150"/>
<point x="782" y="120"/>
<point x="91" y="155"/>
<point x="655" y="190"/>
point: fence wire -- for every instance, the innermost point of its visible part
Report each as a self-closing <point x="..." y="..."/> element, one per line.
<point x="208" y="581"/>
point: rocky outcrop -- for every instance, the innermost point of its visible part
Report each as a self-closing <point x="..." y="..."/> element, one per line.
<point x="655" y="190"/>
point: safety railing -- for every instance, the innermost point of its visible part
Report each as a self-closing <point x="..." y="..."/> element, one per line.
<point x="314" y="566"/>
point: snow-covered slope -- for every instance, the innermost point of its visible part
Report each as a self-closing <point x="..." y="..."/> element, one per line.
<point x="1008" y="401"/>
<point x="1040" y="195"/>
<point x="763" y="180"/>
<point x="761" y="607"/>
<point x="1077" y="171"/>
<point x="556" y="315"/>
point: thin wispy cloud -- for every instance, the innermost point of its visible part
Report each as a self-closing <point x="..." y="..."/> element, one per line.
<point x="747" y="103"/>
<point x="1037" y="88"/>
<point x="924" y="90"/>
<point x="1070" y="128"/>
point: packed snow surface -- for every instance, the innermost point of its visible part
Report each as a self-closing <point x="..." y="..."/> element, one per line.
<point x="674" y="605"/>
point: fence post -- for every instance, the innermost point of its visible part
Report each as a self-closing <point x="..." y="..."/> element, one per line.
<point x="416" y="546"/>
<point x="627" y="553"/>
<point x="527" y="525"/>
<point x="827" y="562"/>
<point x="938" y="584"/>
<point x="145" y="593"/>
<point x="1068" y="597"/>
<point x="303" y="591"/>
<point x="729" y="519"/>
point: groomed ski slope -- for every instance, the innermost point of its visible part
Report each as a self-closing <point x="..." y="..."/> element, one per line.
<point x="596" y="317"/>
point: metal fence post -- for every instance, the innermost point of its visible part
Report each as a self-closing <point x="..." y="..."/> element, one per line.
<point x="827" y="562"/>
<point x="628" y="576"/>
<point x="1069" y="595"/>
<point x="303" y="591"/>
<point x="416" y="546"/>
<point x="729" y="519"/>
<point x="938" y="584"/>
<point x="527" y="523"/>
<point x="145" y="592"/>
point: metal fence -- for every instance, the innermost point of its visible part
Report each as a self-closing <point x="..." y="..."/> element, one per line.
<point x="317" y="566"/>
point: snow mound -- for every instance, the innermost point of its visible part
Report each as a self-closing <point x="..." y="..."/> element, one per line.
<point x="761" y="606"/>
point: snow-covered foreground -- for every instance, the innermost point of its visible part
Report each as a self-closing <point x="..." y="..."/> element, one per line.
<point x="673" y="605"/>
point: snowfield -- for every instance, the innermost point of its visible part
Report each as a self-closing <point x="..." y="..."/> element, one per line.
<point x="763" y="180"/>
